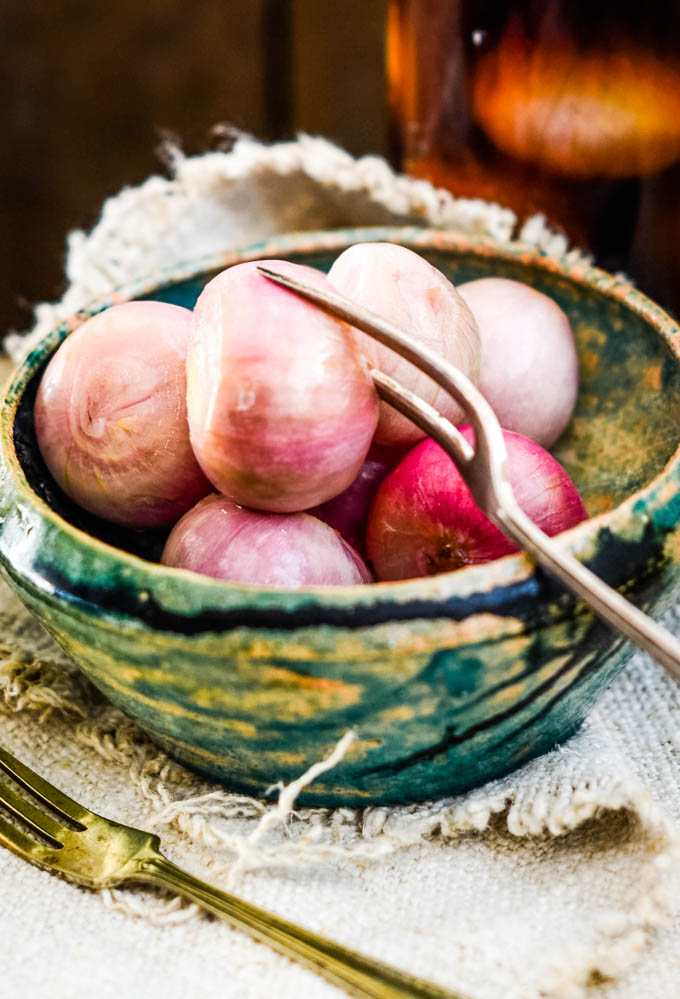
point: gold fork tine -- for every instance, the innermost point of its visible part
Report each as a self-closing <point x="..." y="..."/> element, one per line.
<point x="42" y="790"/>
<point x="36" y="819"/>
<point x="485" y="469"/>
<point x="102" y="854"/>
<point x="18" y="842"/>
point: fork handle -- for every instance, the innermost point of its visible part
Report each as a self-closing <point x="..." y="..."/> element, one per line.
<point x="607" y="602"/>
<point x="358" y="975"/>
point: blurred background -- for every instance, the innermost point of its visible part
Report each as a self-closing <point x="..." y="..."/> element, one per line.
<point x="569" y="107"/>
<point x="89" y="90"/>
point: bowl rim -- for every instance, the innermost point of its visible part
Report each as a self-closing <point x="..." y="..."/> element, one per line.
<point x="629" y="517"/>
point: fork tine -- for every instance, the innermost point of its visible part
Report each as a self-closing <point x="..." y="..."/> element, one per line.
<point x="488" y="460"/>
<point x="392" y="336"/>
<point x="37" y="820"/>
<point x="424" y="416"/>
<point x="43" y="790"/>
<point x="21" y="844"/>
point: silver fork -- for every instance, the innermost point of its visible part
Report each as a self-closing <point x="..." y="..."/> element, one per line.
<point x="95" y="852"/>
<point x="484" y="467"/>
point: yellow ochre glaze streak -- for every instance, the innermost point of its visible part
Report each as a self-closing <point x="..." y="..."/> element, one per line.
<point x="280" y="698"/>
<point x="671" y="546"/>
<point x="652" y="376"/>
<point x="200" y="757"/>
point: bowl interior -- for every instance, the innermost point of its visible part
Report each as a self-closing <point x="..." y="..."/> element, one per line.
<point x="625" y="427"/>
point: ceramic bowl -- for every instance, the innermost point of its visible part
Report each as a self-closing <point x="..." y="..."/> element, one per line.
<point x="447" y="681"/>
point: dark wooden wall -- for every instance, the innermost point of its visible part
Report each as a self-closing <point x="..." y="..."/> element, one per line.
<point x="88" y="89"/>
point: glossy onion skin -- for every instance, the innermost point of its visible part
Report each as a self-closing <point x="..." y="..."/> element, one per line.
<point x="424" y="520"/>
<point x="221" y="539"/>
<point x="281" y="406"/>
<point x="403" y="287"/>
<point x="529" y="362"/>
<point x="110" y="416"/>
<point x="348" y="512"/>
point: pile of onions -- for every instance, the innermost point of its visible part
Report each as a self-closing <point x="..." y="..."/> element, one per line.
<point x="262" y="397"/>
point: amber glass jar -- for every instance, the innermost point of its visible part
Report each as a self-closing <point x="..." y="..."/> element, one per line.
<point x="567" y="107"/>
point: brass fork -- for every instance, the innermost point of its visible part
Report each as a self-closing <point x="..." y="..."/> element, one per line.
<point x="52" y="831"/>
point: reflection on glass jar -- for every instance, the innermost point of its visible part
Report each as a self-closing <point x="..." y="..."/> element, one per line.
<point x="566" y="107"/>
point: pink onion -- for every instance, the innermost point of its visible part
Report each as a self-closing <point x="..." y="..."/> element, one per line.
<point x="348" y="512"/>
<point x="110" y="416"/>
<point x="221" y="539"/>
<point x="401" y="286"/>
<point x="281" y="406"/>
<point x="529" y="368"/>
<point x="424" y="519"/>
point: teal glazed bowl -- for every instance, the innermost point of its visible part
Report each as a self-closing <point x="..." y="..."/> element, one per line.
<point x="447" y="681"/>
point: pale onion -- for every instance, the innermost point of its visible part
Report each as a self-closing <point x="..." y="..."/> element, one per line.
<point x="281" y="406"/>
<point x="222" y="539"/>
<point x="529" y="368"/>
<point x="424" y="519"/>
<point x="403" y="287"/>
<point x="110" y="416"/>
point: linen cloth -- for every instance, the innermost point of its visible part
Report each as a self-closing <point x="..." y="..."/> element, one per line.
<point x="560" y="880"/>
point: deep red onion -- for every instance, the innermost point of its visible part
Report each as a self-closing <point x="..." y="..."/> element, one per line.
<point x="529" y="370"/>
<point x="403" y="287"/>
<point x="424" y="519"/>
<point x="221" y="539"/>
<point x="348" y="512"/>
<point x="110" y="416"/>
<point x="281" y="406"/>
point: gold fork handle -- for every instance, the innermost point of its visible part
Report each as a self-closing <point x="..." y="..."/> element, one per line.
<point x="358" y="975"/>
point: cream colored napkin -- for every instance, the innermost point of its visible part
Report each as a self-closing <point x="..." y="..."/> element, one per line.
<point x="560" y="880"/>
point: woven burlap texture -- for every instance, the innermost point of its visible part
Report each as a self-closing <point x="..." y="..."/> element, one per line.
<point x="560" y="880"/>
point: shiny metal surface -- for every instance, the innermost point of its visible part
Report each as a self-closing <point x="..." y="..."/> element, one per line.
<point x="47" y="828"/>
